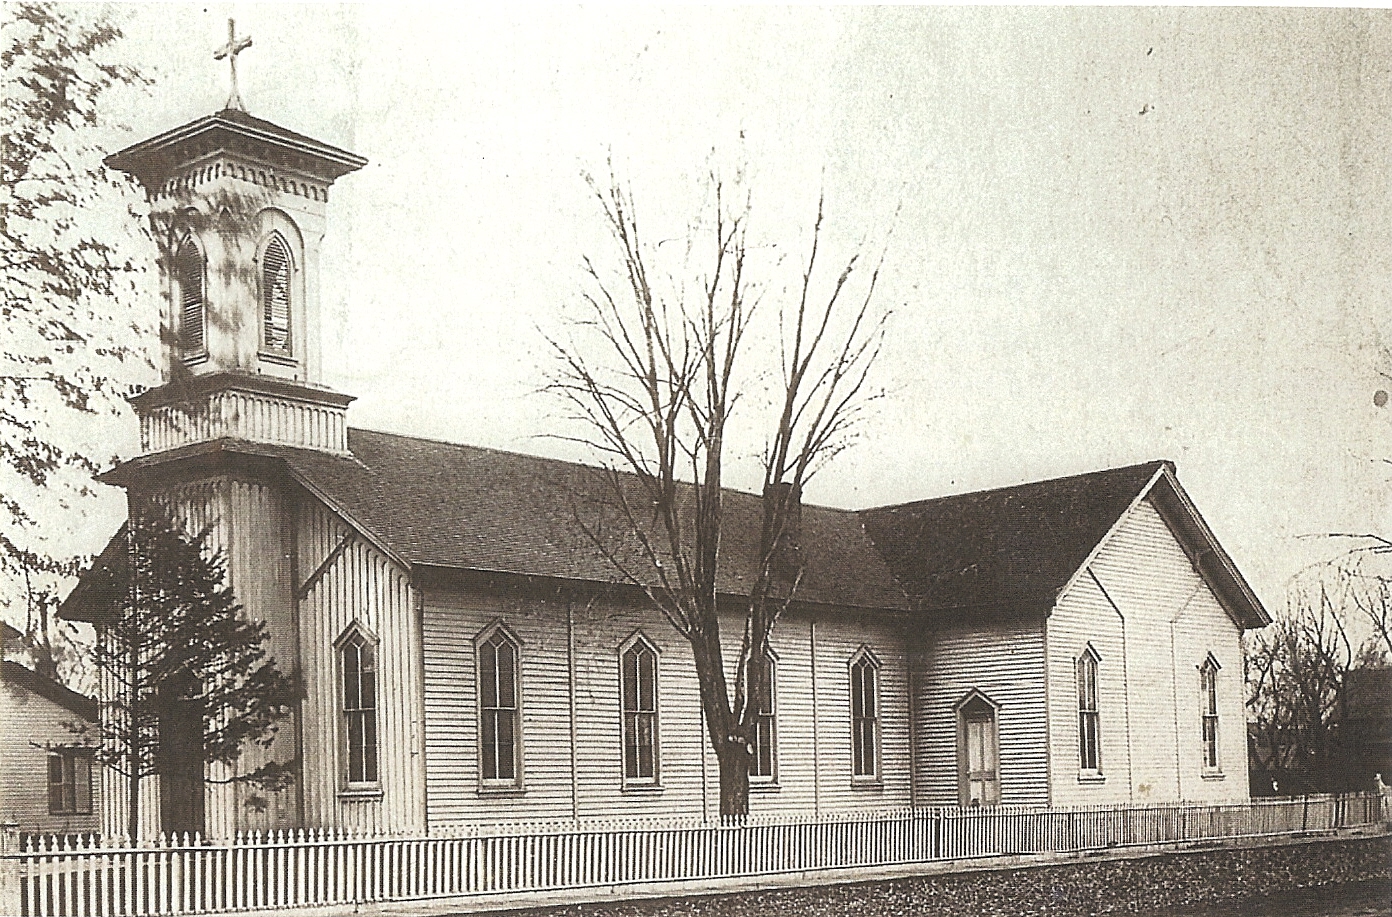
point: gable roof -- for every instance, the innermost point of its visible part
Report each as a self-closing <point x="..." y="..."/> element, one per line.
<point x="13" y="673"/>
<point x="428" y="503"/>
<point x="1010" y="548"/>
<point x="1015" y="549"/>
<point x="434" y="504"/>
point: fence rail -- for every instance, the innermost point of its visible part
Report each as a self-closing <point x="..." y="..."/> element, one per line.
<point x="67" y="877"/>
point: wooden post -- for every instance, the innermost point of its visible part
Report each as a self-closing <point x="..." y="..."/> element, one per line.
<point x="11" y="869"/>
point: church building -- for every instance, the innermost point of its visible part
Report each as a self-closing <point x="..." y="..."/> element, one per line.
<point x="468" y="658"/>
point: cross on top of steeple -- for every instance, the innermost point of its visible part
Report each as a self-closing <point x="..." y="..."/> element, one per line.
<point x="230" y="51"/>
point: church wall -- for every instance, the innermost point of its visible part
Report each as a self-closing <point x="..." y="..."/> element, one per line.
<point x="564" y="642"/>
<point x="1004" y="661"/>
<point x="360" y="585"/>
<point x="1172" y="622"/>
<point x="1083" y="617"/>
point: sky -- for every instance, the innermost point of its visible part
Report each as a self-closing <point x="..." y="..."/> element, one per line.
<point x="1110" y="234"/>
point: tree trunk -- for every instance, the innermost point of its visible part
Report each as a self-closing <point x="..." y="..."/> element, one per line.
<point x="734" y="780"/>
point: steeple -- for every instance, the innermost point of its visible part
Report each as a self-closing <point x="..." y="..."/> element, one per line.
<point x="238" y="208"/>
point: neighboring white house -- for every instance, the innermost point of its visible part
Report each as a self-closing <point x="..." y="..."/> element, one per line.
<point x="468" y="657"/>
<point x="45" y="758"/>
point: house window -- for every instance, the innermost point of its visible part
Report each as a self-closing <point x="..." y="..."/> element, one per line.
<point x="70" y="782"/>
<point x="1088" y="740"/>
<point x="1208" y="690"/>
<point x="499" y="738"/>
<point x="638" y="690"/>
<point x="865" y="716"/>
<point x="188" y="277"/>
<point x="358" y="661"/>
<point x="275" y="295"/>
<point x="765" y="737"/>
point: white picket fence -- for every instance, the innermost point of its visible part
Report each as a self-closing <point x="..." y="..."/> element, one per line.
<point x="86" y="878"/>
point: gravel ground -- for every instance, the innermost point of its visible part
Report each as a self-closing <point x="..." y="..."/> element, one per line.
<point x="1347" y="878"/>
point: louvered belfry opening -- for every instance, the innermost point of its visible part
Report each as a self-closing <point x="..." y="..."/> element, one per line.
<point x="275" y="295"/>
<point x="188" y="272"/>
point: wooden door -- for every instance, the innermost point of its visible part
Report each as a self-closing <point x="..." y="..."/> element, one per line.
<point x="980" y="779"/>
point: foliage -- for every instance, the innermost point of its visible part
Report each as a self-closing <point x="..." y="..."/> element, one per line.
<point x="173" y="644"/>
<point x="653" y="374"/>
<point x="1338" y="617"/>
<point x="66" y="297"/>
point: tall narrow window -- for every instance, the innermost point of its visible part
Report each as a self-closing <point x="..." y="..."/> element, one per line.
<point x="499" y="745"/>
<point x="275" y="295"/>
<point x="638" y="689"/>
<point x="765" y="736"/>
<point x="70" y="782"/>
<point x="977" y="751"/>
<point x="358" y="659"/>
<point x="1208" y="690"/>
<point x="188" y="276"/>
<point x="1088" y="739"/>
<point x="865" y="717"/>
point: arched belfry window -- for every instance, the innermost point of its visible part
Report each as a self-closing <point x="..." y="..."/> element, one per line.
<point x="188" y="279"/>
<point x="276" y="272"/>
<point x="500" y="736"/>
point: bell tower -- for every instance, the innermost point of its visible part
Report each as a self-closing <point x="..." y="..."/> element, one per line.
<point x="238" y="208"/>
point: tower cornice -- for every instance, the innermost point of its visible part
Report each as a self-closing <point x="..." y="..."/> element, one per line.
<point x="155" y="160"/>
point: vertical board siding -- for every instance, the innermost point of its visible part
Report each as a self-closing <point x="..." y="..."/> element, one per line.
<point x="361" y="586"/>
<point x="688" y="784"/>
<point x="1005" y="662"/>
<point x="31" y="724"/>
<point x="1172" y="622"/>
<point x="1084" y="616"/>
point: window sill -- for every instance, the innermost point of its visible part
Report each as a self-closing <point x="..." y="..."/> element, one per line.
<point x="1214" y="775"/>
<point x="503" y="790"/>
<point x="867" y="784"/>
<point x="1092" y="777"/>
<point x="360" y="794"/>
<point x="649" y="789"/>
<point x="193" y="359"/>
<point x="764" y="786"/>
<point x="284" y="359"/>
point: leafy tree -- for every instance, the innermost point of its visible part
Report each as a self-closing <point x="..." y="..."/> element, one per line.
<point x="653" y="373"/>
<point x="67" y="304"/>
<point x="175" y="650"/>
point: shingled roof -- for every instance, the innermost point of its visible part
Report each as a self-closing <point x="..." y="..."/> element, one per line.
<point x="435" y="504"/>
<point x="13" y="673"/>
<point x="1012" y="548"/>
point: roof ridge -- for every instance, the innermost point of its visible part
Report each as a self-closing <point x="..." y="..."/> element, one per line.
<point x="1153" y="465"/>
<point x="557" y="461"/>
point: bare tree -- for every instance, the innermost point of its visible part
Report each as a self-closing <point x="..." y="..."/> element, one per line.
<point x="1336" y="620"/>
<point x="652" y="373"/>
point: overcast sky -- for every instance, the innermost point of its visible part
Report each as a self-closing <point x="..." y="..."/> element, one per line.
<point x="1122" y="234"/>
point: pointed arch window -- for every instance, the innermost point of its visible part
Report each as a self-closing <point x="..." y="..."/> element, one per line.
<point x="189" y="280"/>
<point x="764" y="766"/>
<point x="276" y="272"/>
<point x="638" y="696"/>
<point x="1208" y="698"/>
<point x="1089" y="739"/>
<point x="357" y="653"/>
<point x="499" y="693"/>
<point x="865" y="716"/>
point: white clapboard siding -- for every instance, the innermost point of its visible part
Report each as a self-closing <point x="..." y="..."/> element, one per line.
<point x="1083" y="618"/>
<point x="1172" y="622"/>
<point x="552" y="630"/>
<point x="361" y="586"/>
<point x="30" y="724"/>
<point x="1005" y="662"/>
